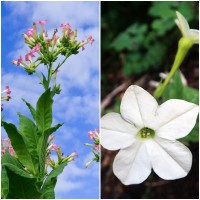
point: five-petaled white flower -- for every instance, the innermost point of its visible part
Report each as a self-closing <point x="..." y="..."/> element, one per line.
<point x="182" y="24"/>
<point x="146" y="133"/>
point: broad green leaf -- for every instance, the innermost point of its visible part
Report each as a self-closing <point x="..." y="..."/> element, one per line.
<point x="4" y="183"/>
<point x="44" y="111"/>
<point x="30" y="135"/>
<point x="9" y="159"/>
<point x="50" y="182"/>
<point x="191" y="95"/>
<point x="42" y="147"/>
<point x="22" y="184"/>
<point x="19" y="146"/>
<point x="32" y="110"/>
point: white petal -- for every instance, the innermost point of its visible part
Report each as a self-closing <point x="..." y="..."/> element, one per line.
<point x="170" y="159"/>
<point x="175" y="118"/>
<point x="182" y="24"/>
<point x="138" y="107"/>
<point x="116" y="133"/>
<point x="194" y="35"/>
<point x="132" y="165"/>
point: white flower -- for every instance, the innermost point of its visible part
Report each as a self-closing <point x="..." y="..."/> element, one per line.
<point x="146" y="133"/>
<point x="182" y="24"/>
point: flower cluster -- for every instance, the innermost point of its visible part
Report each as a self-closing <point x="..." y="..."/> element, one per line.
<point x="53" y="147"/>
<point x="94" y="135"/>
<point x="6" y="146"/>
<point x="48" y="49"/>
<point x="5" y="98"/>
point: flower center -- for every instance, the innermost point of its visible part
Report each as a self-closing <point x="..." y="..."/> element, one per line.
<point x="146" y="133"/>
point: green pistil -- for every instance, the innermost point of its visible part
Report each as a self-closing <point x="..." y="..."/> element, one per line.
<point x="146" y="133"/>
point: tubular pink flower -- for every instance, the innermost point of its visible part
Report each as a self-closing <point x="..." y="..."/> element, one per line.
<point x="65" y="26"/>
<point x="91" y="135"/>
<point x="96" y="147"/>
<point x="70" y="34"/>
<point x="6" y="146"/>
<point x="7" y="90"/>
<point x="19" y="61"/>
<point x="31" y="32"/>
<point x="53" y="147"/>
<point x="41" y="22"/>
<point x="29" y="56"/>
<point x="36" y="48"/>
<point x="54" y="40"/>
<point x="90" y="39"/>
<point x="51" y="137"/>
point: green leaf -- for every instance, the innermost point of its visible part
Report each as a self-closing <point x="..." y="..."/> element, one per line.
<point x="191" y="95"/>
<point x="4" y="183"/>
<point x="45" y="82"/>
<point x="21" y="184"/>
<point x="19" y="146"/>
<point x="49" y="184"/>
<point x="32" y="110"/>
<point x="44" y="111"/>
<point x="52" y="129"/>
<point x="8" y="159"/>
<point x="30" y="135"/>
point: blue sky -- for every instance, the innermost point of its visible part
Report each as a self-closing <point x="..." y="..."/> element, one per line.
<point x="78" y="104"/>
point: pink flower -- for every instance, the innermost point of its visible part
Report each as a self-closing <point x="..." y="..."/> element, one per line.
<point x="36" y="48"/>
<point x="6" y="146"/>
<point x="7" y="90"/>
<point x="18" y="62"/>
<point x="5" y="98"/>
<point x="28" y="56"/>
<point x="65" y="26"/>
<point x="51" y="137"/>
<point x="96" y="147"/>
<point x="54" y="40"/>
<point x="53" y="147"/>
<point x="92" y="135"/>
<point x="90" y="39"/>
<point x="31" y="32"/>
<point x="70" y="34"/>
<point x="42" y="22"/>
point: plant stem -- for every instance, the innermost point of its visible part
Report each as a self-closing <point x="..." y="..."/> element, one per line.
<point x="184" y="45"/>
